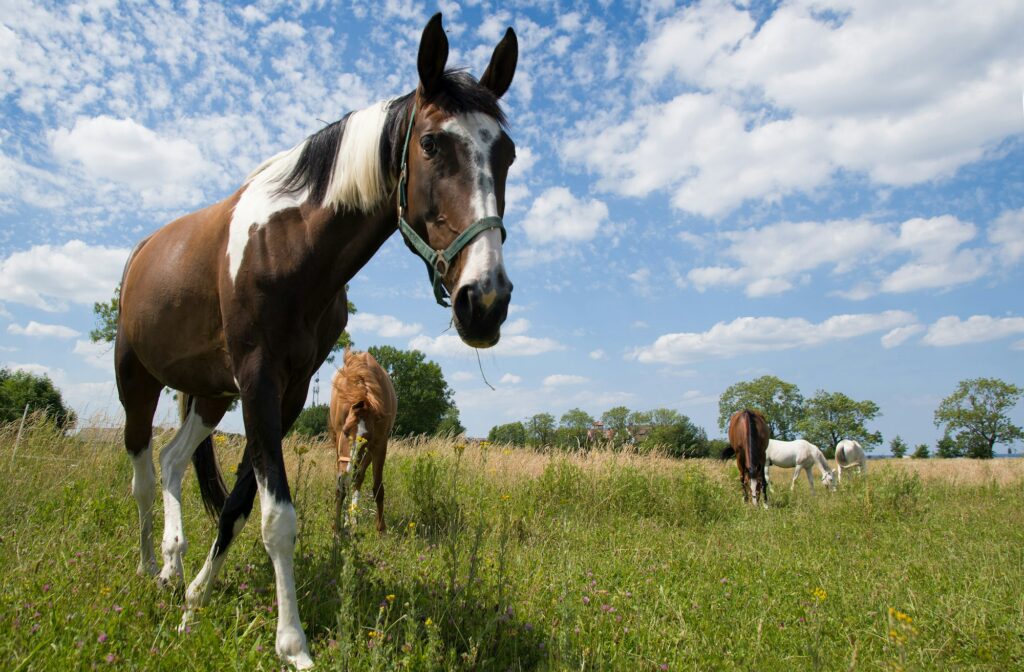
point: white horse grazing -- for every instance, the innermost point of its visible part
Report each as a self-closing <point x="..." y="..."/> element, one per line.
<point x="848" y="454"/>
<point x="799" y="455"/>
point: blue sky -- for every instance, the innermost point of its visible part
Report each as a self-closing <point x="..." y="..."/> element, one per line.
<point x="829" y="192"/>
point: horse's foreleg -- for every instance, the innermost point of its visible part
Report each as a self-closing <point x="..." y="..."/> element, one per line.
<point x="378" y="485"/>
<point x="266" y="420"/>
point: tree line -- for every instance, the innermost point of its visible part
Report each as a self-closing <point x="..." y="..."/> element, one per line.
<point x="974" y="419"/>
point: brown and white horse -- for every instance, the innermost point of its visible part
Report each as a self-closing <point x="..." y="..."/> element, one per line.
<point x="246" y="297"/>
<point x="362" y="415"/>
<point x="748" y="441"/>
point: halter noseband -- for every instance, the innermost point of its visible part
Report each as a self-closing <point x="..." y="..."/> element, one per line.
<point x="437" y="260"/>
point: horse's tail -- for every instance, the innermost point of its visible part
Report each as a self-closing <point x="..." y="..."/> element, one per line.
<point x="840" y="453"/>
<point x="211" y="482"/>
<point x="727" y="452"/>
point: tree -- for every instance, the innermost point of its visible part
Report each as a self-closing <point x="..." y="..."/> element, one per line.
<point x="540" y="429"/>
<point x="312" y="421"/>
<point x="680" y="438"/>
<point x="830" y="417"/>
<point x="573" y="428"/>
<point x="976" y="415"/>
<point x="898" y="447"/>
<point x="106" y="318"/>
<point x="450" y="425"/>
<point x="665" y="416"/>
<point x="19" y="389"/>
<point x="947" y="447"/>
<point x="617" y="419"/>
<point x="513" y="432"/>
<point x="779" y="401"/>
<point x="423" y="394"/>
<point x="921" y="451"/>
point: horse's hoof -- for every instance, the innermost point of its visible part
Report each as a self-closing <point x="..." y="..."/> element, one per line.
<point x="146" y="569"/>
<point x="291" y="647"/>
<point x="300" y="661"/>
<point x="172" y="582"/>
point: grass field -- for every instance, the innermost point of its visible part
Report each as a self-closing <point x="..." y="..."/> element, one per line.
<point x="507" y="559"/>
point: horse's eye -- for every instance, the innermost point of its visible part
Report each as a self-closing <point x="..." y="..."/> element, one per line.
<point x="429" y="145"/>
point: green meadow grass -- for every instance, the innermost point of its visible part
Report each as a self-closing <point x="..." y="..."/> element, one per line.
<point x="500" y="559"/>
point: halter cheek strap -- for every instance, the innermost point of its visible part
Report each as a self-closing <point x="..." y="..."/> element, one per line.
<point x="438" y="260"/>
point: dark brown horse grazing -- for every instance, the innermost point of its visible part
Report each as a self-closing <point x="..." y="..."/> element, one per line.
<point x="246" y="297"/>
<point x="748" y="441"/>
<point x="362" y="415"/>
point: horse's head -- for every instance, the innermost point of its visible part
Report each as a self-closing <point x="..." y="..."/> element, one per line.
<point x="828" y="479"/>
<point x="456" y="157"/>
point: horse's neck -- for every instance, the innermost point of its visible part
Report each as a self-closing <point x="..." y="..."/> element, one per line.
<point x="342" y="243"/>
<point x="819" y="457"/>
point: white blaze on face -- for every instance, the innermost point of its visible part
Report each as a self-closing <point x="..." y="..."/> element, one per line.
<point x="478" y="132"/>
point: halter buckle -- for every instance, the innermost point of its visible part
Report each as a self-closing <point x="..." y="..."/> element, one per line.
<point x="440" y="263"/>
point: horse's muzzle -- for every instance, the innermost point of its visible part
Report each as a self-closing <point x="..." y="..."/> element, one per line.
<point x="480" y="309"/>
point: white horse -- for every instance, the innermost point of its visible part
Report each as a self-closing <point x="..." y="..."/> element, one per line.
<point x="799" y="455"/>
<point x="848" y="454"/>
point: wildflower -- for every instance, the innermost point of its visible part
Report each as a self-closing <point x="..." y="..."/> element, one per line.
<point x="412" y="527"/>
<point x="820" y="594"/>
<point x="505" y="497"/>
<point x="102" y="638"/>
<point x="360" y="440"/>
<point x="460" y="448"/>
<point x="118" y="609"/>
<point x="428" y="622"/>
<point x="46" y="587"/>
<point x="374" y="634"/>
<point x="586" y="600"/>
<point x="111" y="657"/>
<point x="390" y="598"/>
<point x="243" y="586"/>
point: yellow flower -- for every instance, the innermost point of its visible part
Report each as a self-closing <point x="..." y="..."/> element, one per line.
<point x="360" y="440"/>
<point x="374" y="634"/>
<point x="505" y="497"/>
<point x="820" y="594"/>
<point x="390" y="598"/>
<point x="428" y="622"/>
<point x="460" y="448"/>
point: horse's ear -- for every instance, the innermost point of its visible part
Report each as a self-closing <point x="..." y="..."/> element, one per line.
<point x="498" y="75"/>
<point x="433" y="55"/>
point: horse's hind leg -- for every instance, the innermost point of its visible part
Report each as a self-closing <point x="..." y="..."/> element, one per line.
<point x="200" y="420"/>
<point x="140" y="393"/>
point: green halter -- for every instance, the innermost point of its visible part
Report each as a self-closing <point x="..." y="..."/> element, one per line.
<point x="438" y="260"/>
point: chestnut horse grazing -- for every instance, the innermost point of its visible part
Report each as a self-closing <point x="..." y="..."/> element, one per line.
<point x="849" y="454"/>
<point x="748" y="441"/>
<point x="363" y="410"/>
<point x="246" y="297"/>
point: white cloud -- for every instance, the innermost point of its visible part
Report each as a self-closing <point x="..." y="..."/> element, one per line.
<point x="764" y="111"/>
<point x="384" y="326"/>
<point x="561" y="379"/>
<point x="510" y="345"/>
<point x="900" y="334"/>
<point x="98" y="355"/>
<point x="930" y="254"/>
<point x="558" y="216"/>
<point x="463" y="376"/>
<point x="511" y="379"/>
<point x="162" y="169"/>
<point x="37" y="329"/>
<point x="48" y="276"/>
<point x="746" y="335"/>
<point x="951" y="330"/>
<point x="598" y="354"/>
<point x="1007" y="234"/>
